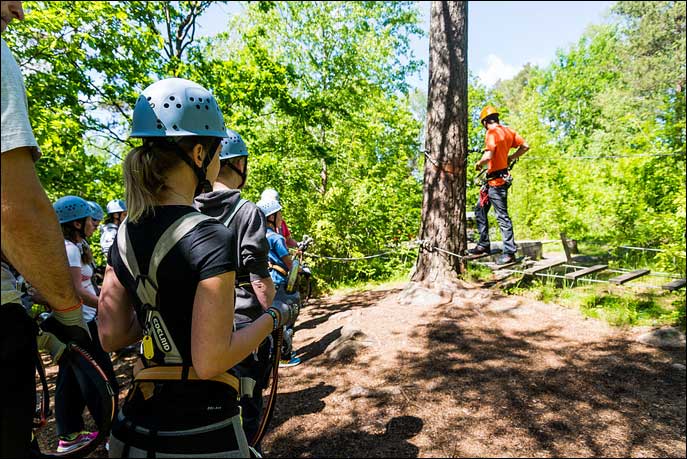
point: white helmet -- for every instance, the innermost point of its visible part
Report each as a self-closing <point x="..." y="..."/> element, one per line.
<point x="268" y="206"/>
<point x="116" y="205"/>
<point x="269" y="194"/>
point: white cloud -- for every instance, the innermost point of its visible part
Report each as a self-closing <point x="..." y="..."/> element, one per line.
<point x="496" y="70"/>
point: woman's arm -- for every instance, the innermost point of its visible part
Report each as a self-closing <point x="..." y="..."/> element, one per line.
<point x="87" y="297"/>
<point x="214" y="348"/>
<point x="118" y="326"/>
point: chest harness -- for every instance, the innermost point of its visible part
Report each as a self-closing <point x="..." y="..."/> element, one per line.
<point x="158" y="345"/>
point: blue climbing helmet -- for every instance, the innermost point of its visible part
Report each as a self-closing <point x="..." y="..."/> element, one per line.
<point x="175" y="107"/>
<point x="268" y="206"/>
<point x="97" y="211"/>
<point x="71" y="208"/>
<point x="115" y="206"/>
<point x="232" y="146"/>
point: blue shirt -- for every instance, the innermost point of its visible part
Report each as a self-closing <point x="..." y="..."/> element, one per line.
<point x="278" y="250"/>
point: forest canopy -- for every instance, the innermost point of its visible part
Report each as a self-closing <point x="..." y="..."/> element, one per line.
<point x="319" y="92"/>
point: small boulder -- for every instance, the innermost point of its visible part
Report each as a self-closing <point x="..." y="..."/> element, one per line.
<point x="357" y="392"/>
<point x="664" y="337"/>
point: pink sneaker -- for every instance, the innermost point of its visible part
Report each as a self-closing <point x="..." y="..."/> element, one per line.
<point x="72" y="441"/>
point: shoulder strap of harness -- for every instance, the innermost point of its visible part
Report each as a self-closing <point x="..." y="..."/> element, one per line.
<point x="234" y="211"/>
<point x="146" y="284"/>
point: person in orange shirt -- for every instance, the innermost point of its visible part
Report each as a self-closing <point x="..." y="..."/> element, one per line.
<point x="498" y="143"/>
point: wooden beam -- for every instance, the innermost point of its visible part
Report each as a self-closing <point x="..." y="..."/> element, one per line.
<point x="583" y="272"/>
<point x="676" y="284"/>
<point x="629" y="276"/>
<point x="564" y="240"/>
<point x="537" y="268"/>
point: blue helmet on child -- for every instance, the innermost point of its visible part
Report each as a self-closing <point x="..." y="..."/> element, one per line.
<point x="268" y="206"/>
<point x="97" y="211"/>
<point x="232" y="146"/>
<point x="71" y="208"/>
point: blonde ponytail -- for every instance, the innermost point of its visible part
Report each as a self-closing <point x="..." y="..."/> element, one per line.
<point x="145" y="170"/>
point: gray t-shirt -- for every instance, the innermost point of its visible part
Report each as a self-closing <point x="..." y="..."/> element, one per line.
<point x="16" y="132"/>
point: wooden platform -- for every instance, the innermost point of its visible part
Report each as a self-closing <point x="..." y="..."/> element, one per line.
<point x="675" y="285"/>
<point x="543" y="267"/>
<point x="583" y="272"/>
<point x="620" y="280"/>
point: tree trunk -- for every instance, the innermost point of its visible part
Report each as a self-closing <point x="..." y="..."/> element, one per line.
<point x="443" y="206"/>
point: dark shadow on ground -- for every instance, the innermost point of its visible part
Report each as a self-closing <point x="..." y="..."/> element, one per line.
<point x="348" y="441"/>
<point x="611" y="385"/>
<point x="302" y="402"/>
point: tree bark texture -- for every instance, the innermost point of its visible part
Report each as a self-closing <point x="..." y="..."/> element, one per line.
<point x="443" y="206"/>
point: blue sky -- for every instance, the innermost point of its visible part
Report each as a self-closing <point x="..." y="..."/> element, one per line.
<point x="502" y="36"/>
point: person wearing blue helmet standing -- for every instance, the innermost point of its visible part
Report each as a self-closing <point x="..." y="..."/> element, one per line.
<point x="169" y="282"/>
<point x="254" y="286"/>
<point x="280" y="264"/>
<point x="116" y="212"/>
<point x="75" y="216"/>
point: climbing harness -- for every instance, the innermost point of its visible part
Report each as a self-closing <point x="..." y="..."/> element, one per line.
<point x="162" y="360"/>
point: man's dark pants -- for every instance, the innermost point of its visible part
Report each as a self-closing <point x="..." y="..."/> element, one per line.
<point x="18" y="390"/>
<point x="498" y="197"/>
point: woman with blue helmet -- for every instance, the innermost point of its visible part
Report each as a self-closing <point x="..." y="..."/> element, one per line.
<point x="78" y="219"/>
<point x="169" y="282"/>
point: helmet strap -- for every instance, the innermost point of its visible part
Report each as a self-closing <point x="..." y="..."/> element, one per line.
<point x="242" y="173"/>
<point x="204" y="185"/>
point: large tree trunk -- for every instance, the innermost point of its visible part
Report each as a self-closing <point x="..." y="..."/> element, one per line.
<point x="443" y="206"/>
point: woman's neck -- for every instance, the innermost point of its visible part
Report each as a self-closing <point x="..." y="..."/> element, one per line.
<point x="180" y="188"/>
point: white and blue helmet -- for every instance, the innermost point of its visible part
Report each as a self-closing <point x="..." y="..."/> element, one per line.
<point x="115" y="206"/>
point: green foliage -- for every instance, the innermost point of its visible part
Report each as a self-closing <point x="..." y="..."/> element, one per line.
<point x="319" y="92"/>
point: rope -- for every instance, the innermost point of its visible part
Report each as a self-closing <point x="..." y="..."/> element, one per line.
<point x="530" y="158"/>
<point x="366" y="257"/>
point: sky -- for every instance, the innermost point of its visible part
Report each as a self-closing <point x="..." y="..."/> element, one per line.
<point x="502" y="36"/>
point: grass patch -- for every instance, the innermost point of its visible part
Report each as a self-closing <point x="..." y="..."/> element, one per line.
<point x="477" y="273"/>
<point x="616" y="305"/>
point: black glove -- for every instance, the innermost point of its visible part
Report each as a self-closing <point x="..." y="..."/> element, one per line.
<point x="285" y="312"/>
<point x="68" y="327"/>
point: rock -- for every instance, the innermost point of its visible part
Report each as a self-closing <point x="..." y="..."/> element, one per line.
<point x="346" y="346"/>
<point x="416" y="294"/>
<point x="358" y="391"/>
<point x="344" y="352"/>
<point x="664" y="337"/>
<point x="341" y="315"/>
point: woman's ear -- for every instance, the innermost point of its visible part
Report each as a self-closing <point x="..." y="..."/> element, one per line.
<point x="198" y="155"/>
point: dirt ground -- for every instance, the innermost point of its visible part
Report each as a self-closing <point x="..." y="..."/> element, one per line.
<point x="470" y="373"/>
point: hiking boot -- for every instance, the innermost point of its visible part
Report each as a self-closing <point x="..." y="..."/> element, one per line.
<point x="505" y="259"/>
<point x="72" y="441"/>
<point x="478" y="250"/>
<point x="292" y="362"/>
